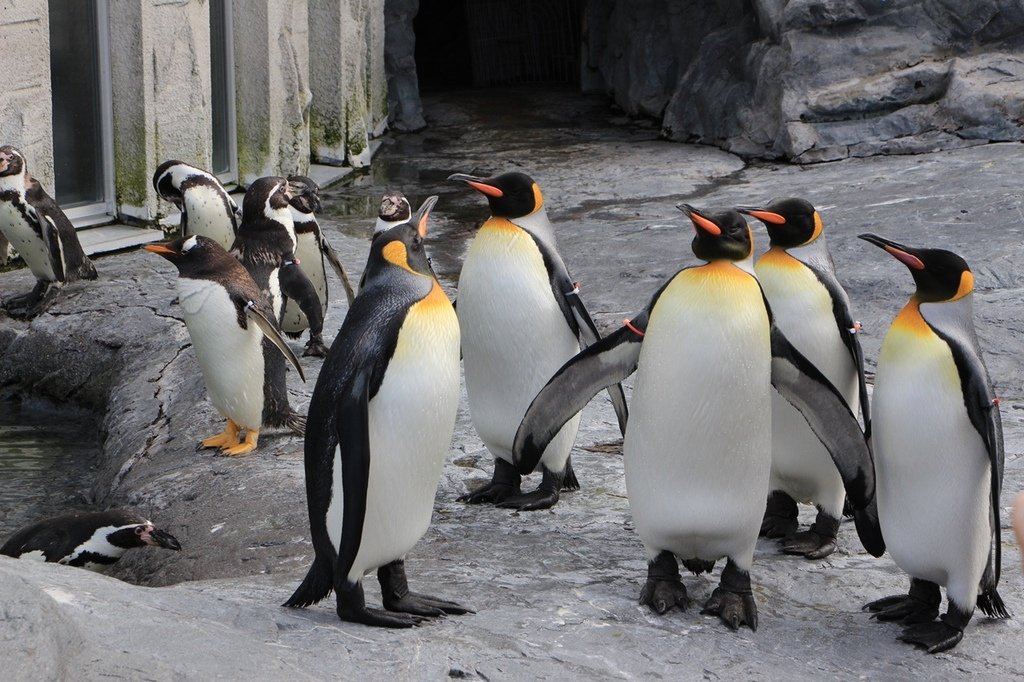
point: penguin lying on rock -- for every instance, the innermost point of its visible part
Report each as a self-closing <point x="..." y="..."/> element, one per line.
<point x="379" y="428"/>
<point x="938" y="443"/>
<point x="206" y="207"/>
<point x="92" y="540"/>
<point x="521" y="317"/>
<point x="697" y="450"/>
<point x="227" y="319"/>
<point x="311" y="249"/>
<point x="43" y="236"/>
<point x="811" y="308"/>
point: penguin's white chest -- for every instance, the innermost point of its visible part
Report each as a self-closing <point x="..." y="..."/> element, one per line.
<point x="697" y="448"/>
<point x="231" y="358"/>
<point x="26" y="242"/>
<point x="932" y="466"/>
<point x="208" y="215"/>
<point x="514" y="337"/>
<point x="411" y="420"/>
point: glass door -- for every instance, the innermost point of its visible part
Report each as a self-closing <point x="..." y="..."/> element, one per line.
<point x="222" y="84"/>
<point x="82" y="114"/>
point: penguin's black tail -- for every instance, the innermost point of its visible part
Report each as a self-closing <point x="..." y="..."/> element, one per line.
<point x="315" y="586"/>
<point x="296" y="423"/>
<point x="991" y="604"/>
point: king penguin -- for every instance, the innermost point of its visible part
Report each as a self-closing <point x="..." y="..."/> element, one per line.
<point x="380" y="426"/>
<point x="265" y="245"/>
<point x="696" y="452"/>
<point x="522" y="318"/>
<point x="227" y="318"/>
<point x="938" y="444"/>
<point x="813" y="311"/>
<point x="206" y="207"/>
<point x="43" y="236"/>
<point x="91" y="540"/>
<point x="312" y="248"/>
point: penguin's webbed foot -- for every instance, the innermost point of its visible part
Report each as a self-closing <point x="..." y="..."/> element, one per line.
<point x="394" y="589"/>
<point x="538" y="499"/>
<point x="315" y="347"/>
<point x="780" y="516"/>
<point x="664" y="588"/>
<point x="698" y="566"/>
<point x="34" y="303"/>
<point x="504" y="484"/>
<point x="817" y="542"/>
<point x="226" y="439"/>
<point x="378" y="618"/>
<point x="733" y="599"/>
<point x="919" y="605"/>
<point x="935" y="636"/>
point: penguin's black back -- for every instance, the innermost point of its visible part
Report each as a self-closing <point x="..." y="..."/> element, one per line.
<point x="58" y="536"/>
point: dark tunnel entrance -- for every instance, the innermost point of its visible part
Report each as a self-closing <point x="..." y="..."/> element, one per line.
<point x="498" y="43"/>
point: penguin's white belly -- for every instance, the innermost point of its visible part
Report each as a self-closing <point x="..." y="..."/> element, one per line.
<point x="697" y="448"/>
<point x="932" y="467"/>
<point x="514" y="338"/>
<point x="293" y="320"/>
<point x="411" y="420"/>
<point x="26" y="242"/>
<point x="231" y="358"/>
<point x="208" y="215"/>
<point x="801" y="466"/>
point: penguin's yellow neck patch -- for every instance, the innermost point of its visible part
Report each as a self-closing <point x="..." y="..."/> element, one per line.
<point x="910" y="320"/>
<point x="436" y="298"/>
<point x="538" y="199"/>
<point x="500" y="225"/>
<point x="777" y="258"/>
<point x="395" y="253"/>
<point x="817" y="228"/>
<point x="966" y="285"/>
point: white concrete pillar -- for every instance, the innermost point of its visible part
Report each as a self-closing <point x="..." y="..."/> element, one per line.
<point x="272" y="87"/>
<point x="350" y="97"/>
<point x="160" y="76"/>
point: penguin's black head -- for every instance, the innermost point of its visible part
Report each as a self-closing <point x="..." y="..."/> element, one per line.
<point x="402" y="245"/>
<point x="267" y="197"/>
<point x="790" y="222"/>
<point x="510" y="195"/>
<point x="940" y="275"/>
<point x="394" y="206"/>
<point x="12" y="162"/>
<point x="305" y="194"/>
<point x="192" y="255"/>
<point x="142" y="534"/>
<point x="719" y="236"/>
<point x="163" y="181"/>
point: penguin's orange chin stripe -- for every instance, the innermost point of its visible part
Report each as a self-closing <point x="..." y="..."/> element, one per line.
<point x="910" y="320"/>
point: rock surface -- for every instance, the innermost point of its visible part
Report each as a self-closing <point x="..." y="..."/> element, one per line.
<point x="555" y="592"/>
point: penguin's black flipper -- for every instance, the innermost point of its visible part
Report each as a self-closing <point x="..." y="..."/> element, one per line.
<point x="826" y="412"/>
<point x="339" y="269"/>
<point x="295" y="285"/>
<point x="270" y="330"/>
<point x="607" y="362"/>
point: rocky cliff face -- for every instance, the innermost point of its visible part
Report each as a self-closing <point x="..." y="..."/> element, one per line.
<point x="816" y="80"/>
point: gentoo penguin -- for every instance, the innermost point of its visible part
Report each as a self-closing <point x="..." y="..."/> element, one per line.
<point x="206" y="207"/>
<point x="265" y="245"/>
<point x="40" y="232"/>
<point x="92" y="540"/>
<point x="812" y="309"/>
<point x="380" y="425"/>
<point x="394" y="210"/>
<point x="521" y="317"/>
<point x="227" y="318"/>
<point x="938" y="444"/>
<point x="310" y="250"/>
<point x="697" y="447"/>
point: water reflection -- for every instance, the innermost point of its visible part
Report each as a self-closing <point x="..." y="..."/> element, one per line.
<point x="47" y="458"/>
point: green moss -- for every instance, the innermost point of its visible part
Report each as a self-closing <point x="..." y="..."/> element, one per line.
<point x="131" y="177"/>
<point x="253" y="146"/>
<point x="325" y="131"/>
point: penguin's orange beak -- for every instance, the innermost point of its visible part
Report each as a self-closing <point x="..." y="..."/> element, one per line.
<point x="762" y="215"/>
<point x="478" y="184"/>
<point x="898" y="251"/>
<point x="161" y="249"/>
<point x="700" y="221"/>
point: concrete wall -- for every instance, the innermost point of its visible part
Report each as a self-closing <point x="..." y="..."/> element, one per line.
<point x="350" y="97"/>
<point x="26" y="116"/>
<point x="160" y="72"/>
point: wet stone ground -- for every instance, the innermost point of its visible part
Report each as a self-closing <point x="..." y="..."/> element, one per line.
<point x="555" y="592"/>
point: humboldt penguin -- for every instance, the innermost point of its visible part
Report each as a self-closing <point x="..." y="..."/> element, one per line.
<point x="394" y="210"/>
<point x="812" y="309"/>
<point x="938" y="443"/>
<point x="42" y="235"/>
<point x="206" y="207"/>
<point x="697" y="448"/>
<point x="265" y="245"/>
<point x="380" y="426"/>
<point x="227" y="317"/>
<point x="92" y="540"/>
<point x="309" y="308"/>
<point x="521" y="317"/>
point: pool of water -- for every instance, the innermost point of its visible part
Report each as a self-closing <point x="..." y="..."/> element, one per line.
<point x="47" y="460"/>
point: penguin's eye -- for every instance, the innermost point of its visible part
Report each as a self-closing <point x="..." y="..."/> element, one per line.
<point x="139" y="530"/>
